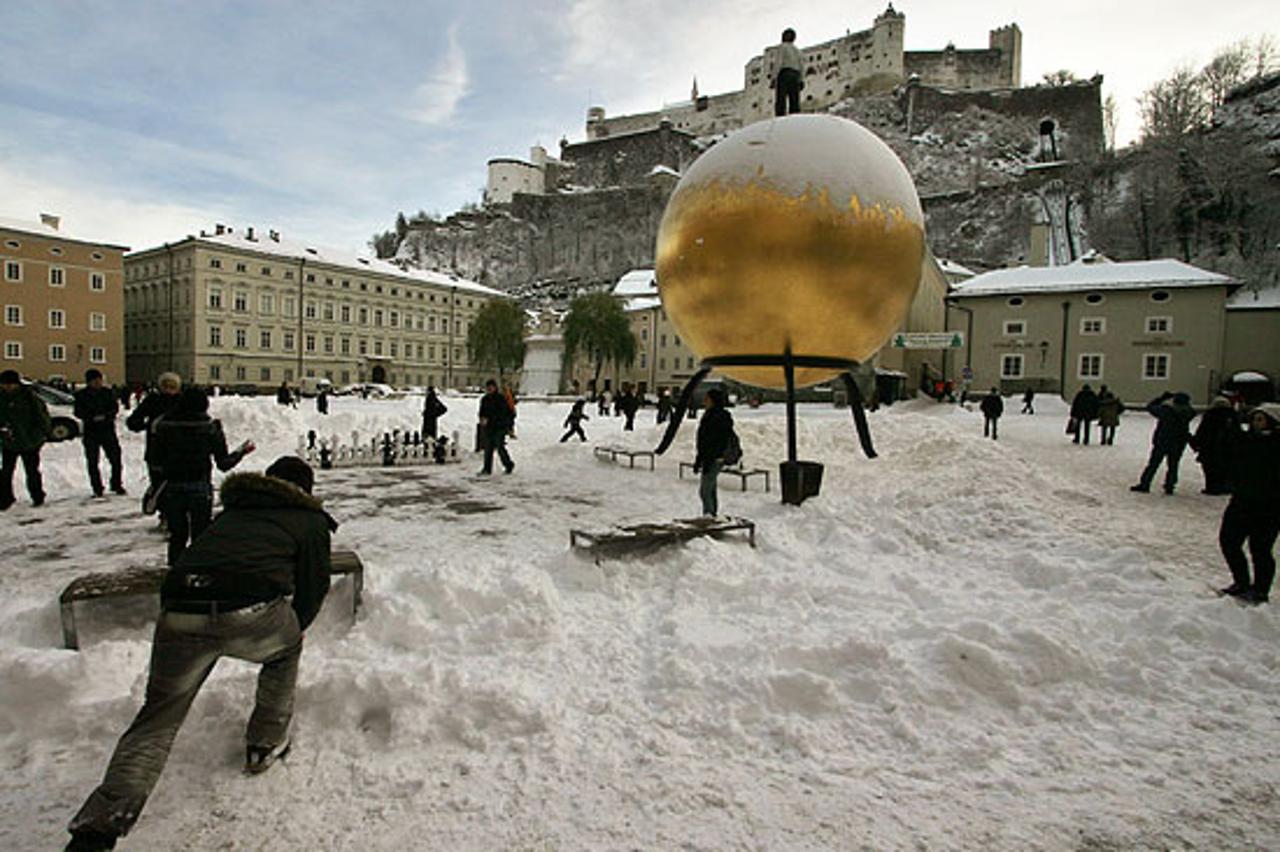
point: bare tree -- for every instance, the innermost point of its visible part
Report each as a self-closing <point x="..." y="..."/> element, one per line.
<point x="1229" y="68"/>
<point x="1265" y="55"/>
<point x="1174" y="106"/>
<point x="1061" y="77"/>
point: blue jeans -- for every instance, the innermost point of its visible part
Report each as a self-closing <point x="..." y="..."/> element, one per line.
<point x="184" y="652"/>
<point x="1171" y="456"/>
<point x="707" y="488"/>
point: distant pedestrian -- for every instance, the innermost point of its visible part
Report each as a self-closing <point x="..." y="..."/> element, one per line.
<point x="432" y="410"/>
<point x="1173" y="413"/>
<point x="1109" y="409"/>
<point x="496" y="418"/>
<point x="145" y="416"/>
<point x="247" y="589"/>
<point x="1253" y="513"/>
<point x="96" y="407"/>
<point x="992" y="407"/>
<point x="789" y="79"/>
<point x="602" y="404"/>
<point x="124" y="394"/>
<point x="1084" y="410"/>
<point x="24" y="427"/>
<point x="574" y="421"/>
<point x="1212" y="441"/>
<point x="283" y="395"/>
<point x="188" y="443"/>
<point x="322" y="401"/>
<point x="629" y="404"/>
<point x="715" y="433"/>
<point x="1028" y="398"/>
<point x="664" y="405"/>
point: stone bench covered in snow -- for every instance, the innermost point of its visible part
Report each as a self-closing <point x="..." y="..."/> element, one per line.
<point x="737" y="470"/>
<point x="147" y="581"/>
<point x="621" y="539"/>
<point x="612" y="453"/>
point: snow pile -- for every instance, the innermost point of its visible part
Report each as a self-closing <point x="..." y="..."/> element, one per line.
<point x="962" y="644"/>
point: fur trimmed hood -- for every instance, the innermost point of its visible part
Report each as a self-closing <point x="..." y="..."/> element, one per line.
<point x="254" y="490"/>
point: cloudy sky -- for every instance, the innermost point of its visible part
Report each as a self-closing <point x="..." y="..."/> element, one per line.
<point x="141" y="122"/>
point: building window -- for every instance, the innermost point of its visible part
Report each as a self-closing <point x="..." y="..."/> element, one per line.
<point x="264" y="374"/>
<point x="1090" y="366"/>
<point x="55" y="251"/>
<point x="328" y="345"/>
<point x="377" y="316"/>
<point x="264" y="339"/>
<point x="1160" y="295"/>
<point x="13" y="314"/>
<point x="328" y="311"/>
<point x="1093" y="325"/>
<point x="97" y="321"/>
<point x="1015" y="328"/>
<point x="97" y="354"/>
<point x="1011" y="367"/>
<point x="345" y="313"/>
<point x="215" y="298"/>
<point x="57" y="352"/>
<point x="1015" y="301"/>
<point x="240" y="267"/>
<point x="395" y="319"/>
<point x="240" y="302"/>
<point x="377" y="347"/>
<point x="13" y="244"/>
<point x="266" y="303"/>
<point x="1155" y="366"/>
<point x="310" y="310"/>
<point x="1094" y="298"/>
<point x="311" y="278"/>
<point x="1159" y="325"/>
<point x="287" y="340"/>
<point x="215" y="335"/>
<point x="215" y="263"/>
<point x="364" y="346"/>
<point x="57" y="277"/>
<point x="344" y="346"/>
<point x="12" y="270"/>
<point x="57" y="318"/>
<point x="215" y="371"/>
<point x="13" y="350"/>
<point x="288" y="305"/>
<point x="266" y="270"/>
<point x="241" y="374"/>
<point x="288" y="374"/>
<point x="395" y="349"/>
<point x="364" y="316"/>
<point x="643" y="361"/>
<point x="97" y="282"/>
<point x="242" y="338"/>
<point x="311" y="342"/>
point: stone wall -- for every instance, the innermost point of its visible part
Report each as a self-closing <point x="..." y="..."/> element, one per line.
<point x="629" y="159"/>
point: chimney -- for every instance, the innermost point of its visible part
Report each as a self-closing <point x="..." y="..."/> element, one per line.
<point x="219" y="229"/>
<point x="249" y="234"/>
<point x="275" y="236"/>
<point x="51" y="220"/>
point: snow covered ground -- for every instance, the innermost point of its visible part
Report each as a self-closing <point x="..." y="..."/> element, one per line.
<point x="959" y="645"/>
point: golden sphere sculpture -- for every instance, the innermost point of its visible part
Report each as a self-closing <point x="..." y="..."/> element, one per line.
<point x="804" y="231"/>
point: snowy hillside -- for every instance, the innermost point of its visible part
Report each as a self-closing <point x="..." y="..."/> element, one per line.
<point x="959" y="645"/>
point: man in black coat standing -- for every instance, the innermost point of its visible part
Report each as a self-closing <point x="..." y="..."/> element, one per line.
<point x="496" y="419"/>
<point x="1084" y="408"/>
<point x="714" y="434"/>
<point x="1212" y="443"/>
<point x="992" y="407"/>
<point x="1253" y="514"/>
<point x="432" y="410"/>
<point x="148" y="413"/>
<point x="228" y="596"/>
<point x="1173" y="414"/>
<point x="96" y="408"/>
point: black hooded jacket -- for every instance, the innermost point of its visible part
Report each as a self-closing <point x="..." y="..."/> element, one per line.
<point x="714" y="433"/>
<point x="271" y="539"/>
<point x="187" y="443"/>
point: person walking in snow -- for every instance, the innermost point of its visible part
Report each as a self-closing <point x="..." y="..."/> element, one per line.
<point x="248" y="588"/>
<point x="188" y="444"/>
<point x="24" y="427"/>
<point x="96" y="408"/>
<point x="789" y="79"/>
<point x="992" y="406"/>
<point x="496" y="418"/>
<point x="1173" y="414"/>
<point x="146" y="415"/>
<point x="628" y="404"/>
<point x="1109" y="409"/>
<point x="1084" y="410"/>
<point x="715" y="433"/>
<point x="283" y="395"/>
<point x="1211" y="443"/>
<point x="1253" y="513"/>
<point x="574" y="421"/>
<point x="1028" y="398"/>
<point x="664" y="405"/>
<point x="432" y="410"/>
<point x="322" y="401"/>
<point x="602" y="404"/>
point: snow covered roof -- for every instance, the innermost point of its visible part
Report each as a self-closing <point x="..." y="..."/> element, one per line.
<point x="277" y="246"/>
<point x="1251" y="299"/>
<point x="1124" y="275"/>
<point x="642" y="304"/>
<point x="950" y="267"/>
<point x="40" y="229"/>
<point x="637" y="282"/>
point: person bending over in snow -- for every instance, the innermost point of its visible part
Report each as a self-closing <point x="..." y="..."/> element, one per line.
<point x="227" y="596"/>
<point x="1253" y="514"/>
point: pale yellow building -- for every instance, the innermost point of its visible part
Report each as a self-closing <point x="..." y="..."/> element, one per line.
<point x="63" y="302"/>
<point x="239" y="308"/>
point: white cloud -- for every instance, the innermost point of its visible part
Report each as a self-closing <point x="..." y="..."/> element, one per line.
<point x="435" y="100"/>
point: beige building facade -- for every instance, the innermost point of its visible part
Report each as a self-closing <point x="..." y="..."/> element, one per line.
<point x="63" y="303"/>
<point x="241" y="309"/>
<point x="1141" y="328"/>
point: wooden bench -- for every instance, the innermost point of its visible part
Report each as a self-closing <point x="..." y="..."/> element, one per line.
<point x="735" y="470"/>
<point x="147" y="581"/>
<point x="641" y="536"/>
<point x="612" y="454"/>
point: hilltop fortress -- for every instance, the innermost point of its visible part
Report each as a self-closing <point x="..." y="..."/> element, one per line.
<point x="861" y="63"/>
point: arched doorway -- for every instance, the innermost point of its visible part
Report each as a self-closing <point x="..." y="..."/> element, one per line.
<point x="379" y="374"/>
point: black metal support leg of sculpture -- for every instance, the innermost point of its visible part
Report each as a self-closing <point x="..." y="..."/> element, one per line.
<point x="789" y="372"/>
<point x="859" y="415"/>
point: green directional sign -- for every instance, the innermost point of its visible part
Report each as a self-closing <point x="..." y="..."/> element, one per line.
<point x="928" y="340"/>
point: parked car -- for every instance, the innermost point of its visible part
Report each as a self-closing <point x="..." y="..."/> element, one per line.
<point x="312" y="385"/>
<point x="62" y="407"/>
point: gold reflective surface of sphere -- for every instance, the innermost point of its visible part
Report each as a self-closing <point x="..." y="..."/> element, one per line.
<point x="804" y="231"/>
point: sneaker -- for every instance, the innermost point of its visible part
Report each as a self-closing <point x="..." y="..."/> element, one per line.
<point x="37" y="501"/>
<point x="1254" y="598"/>
<point x="98" y="492"/>
<point x="84" y="840"/>
<point x="484" y="473"/>
<point x="258" y="759"/>
<point x="1141" y="489"/>
<point x="1168" y="490"/>
<point x="510" y="467"/>
<point x="118" y="489"/>
<point x="1235" y="590"/>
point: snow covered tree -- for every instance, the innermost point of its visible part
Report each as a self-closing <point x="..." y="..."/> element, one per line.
<point x="496" y="336"/>
<point x="596" y="328"/>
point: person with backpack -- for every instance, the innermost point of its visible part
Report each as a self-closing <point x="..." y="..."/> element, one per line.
<point x="715" y="437"/>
